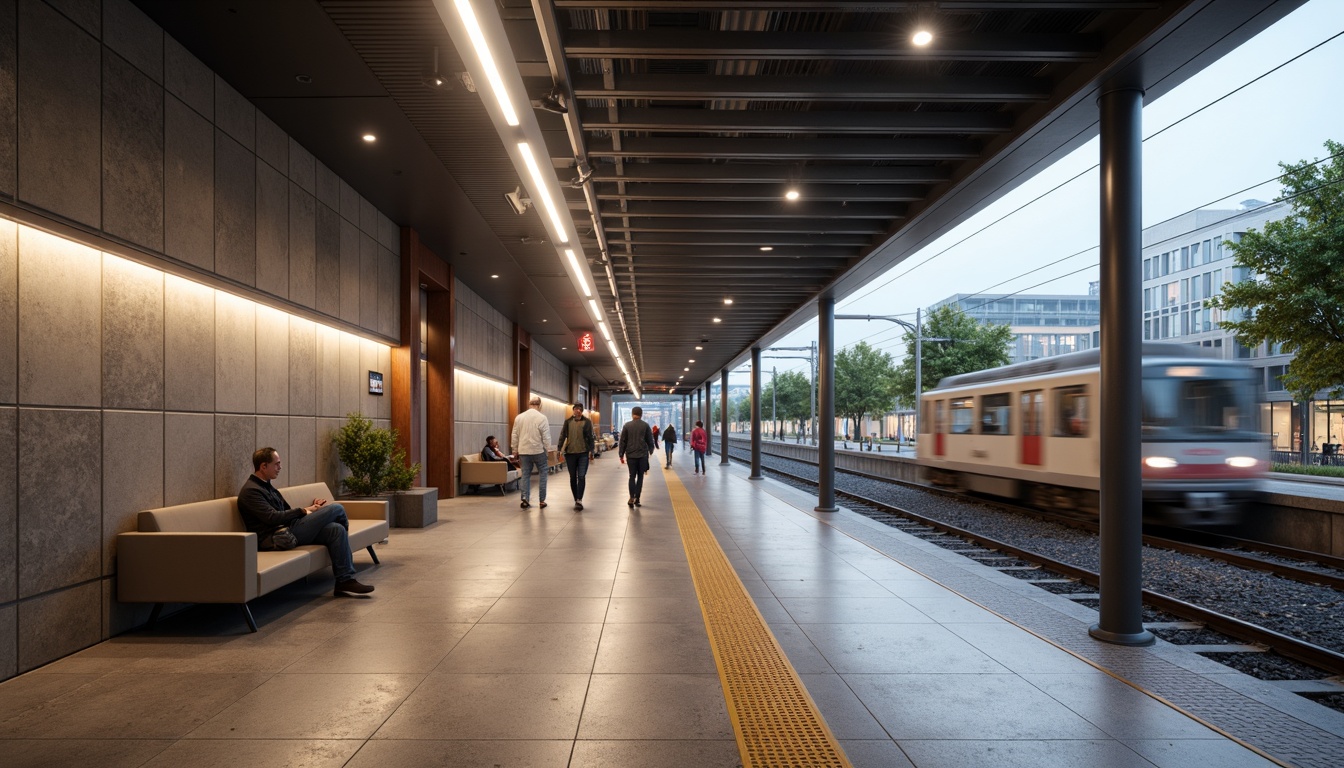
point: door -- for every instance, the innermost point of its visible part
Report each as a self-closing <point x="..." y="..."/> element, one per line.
<point x="939" y="427"/>
<point x="1033" y="408"/>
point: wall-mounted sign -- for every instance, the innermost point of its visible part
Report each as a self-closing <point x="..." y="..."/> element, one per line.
<point x="375" y="383"/>
<point x="586" y="342"/>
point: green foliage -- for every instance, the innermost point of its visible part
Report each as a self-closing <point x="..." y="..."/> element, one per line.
<point x="974" y="346"/>
<point x="865" y="382"/>
<point x="371" y="454"/>
<point x="1298" y="297"/>
<point x="741" y="409"/>
<point x="1309" y="469"/>
<point x="791" y="395"/>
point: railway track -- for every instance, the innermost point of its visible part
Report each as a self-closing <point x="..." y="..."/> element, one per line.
<point x="1285" y="645"/>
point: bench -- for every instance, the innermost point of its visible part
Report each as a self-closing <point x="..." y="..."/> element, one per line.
<point x="202" y="553"/>
<point x="554" y="461"/>
<point x="473" y="470"/>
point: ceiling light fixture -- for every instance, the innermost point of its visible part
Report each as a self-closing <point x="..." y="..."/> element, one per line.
<point x="692" y="360"/>
<point x="792" y="194"/>
<point x="922" y="37"/>
<point x="727" y="301"/>
<point x="540" y="188"/>
<point x="468" y="15"/>
<point x="369" y="137"/>
<point x="496" y="277"/>
<point x="718" y="320"/>
<point x="699" y="349"/>
<point x="597" y="311"/>
<point x="686" y="369"/>
<point x="767" y="248"/>
<point x="602" y="326"/>
<point x="583" y="281"/>
<point x="433" y="79"/>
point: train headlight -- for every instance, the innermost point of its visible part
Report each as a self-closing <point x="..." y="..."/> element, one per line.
<point x="1241" y="462"/>
<point x="1161" y="462"/>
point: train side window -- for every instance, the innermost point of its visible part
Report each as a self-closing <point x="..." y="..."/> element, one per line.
<point x="995" y="411"/>
<point x="963" y="415"/>
<point x="1033" y="409"/>
<point x="1071" y="412"/>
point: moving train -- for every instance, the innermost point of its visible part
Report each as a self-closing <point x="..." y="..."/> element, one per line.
<point x="1029" y="432"/>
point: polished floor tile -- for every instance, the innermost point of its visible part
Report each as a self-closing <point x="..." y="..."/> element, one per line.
<point x="1023" y="754"/>
<point x="103" y="753"/>
<point x="312" y="706"/>
<point x="648" y="648"/>
<point x="907" y="648"/>
<point x="661" y="753"/>
<point x="231" y="753"/>
<point x="490" y="706"/>
<point x="676" y="706"/>
<point x="525" y="648"/>
<point x="531" y="753"/>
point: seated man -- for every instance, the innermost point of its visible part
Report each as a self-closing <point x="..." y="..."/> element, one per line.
<point x="491" y="452"/>
<point x="264" y="510"/>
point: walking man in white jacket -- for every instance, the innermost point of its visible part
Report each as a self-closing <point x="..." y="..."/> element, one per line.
<point x="530" y="440"/>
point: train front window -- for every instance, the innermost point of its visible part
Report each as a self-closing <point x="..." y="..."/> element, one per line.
<point x="963" y="416"/>
<point x="1174" y="404"/>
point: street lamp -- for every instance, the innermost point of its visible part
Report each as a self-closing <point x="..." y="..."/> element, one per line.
<point x="918" y="329"/>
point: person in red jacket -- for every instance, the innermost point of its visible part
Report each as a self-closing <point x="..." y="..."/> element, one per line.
<point x="699" y="444"/>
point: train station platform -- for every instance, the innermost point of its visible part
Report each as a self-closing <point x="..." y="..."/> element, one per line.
<point x="621" y="636"/>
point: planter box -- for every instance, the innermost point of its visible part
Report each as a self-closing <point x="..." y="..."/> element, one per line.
<point x="415" y="508"/>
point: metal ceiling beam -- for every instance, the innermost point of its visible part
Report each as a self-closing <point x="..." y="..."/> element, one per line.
<point x="744" y="252"/>
<point x="883" y="45"/>
<point x="782" y="121"/>
<point x="772" y="192"/>
<point x="820" y="227"/>
<point x="871" y="88"/>
<point x="774" y="238"/>
<point x="777" y="208"/>
<point x="761" y="173"/>
<point x="787" y="149"/>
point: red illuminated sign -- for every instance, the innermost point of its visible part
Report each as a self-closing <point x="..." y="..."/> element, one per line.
<point x="586" y="342"/>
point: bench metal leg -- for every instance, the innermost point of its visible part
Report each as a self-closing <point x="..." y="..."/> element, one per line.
<point x="247" y="614"/>
<point x="373" y="554"/>
<point x="154" y="615"/>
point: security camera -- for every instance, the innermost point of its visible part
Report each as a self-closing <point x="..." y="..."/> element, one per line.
<point x="553" y="102"/>
<point x="517" y="201"/>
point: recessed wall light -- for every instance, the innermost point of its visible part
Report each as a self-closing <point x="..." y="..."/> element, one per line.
<point x="922" y="37"/>
<point x="369" y="137"/>
<point x="792" y="194"/>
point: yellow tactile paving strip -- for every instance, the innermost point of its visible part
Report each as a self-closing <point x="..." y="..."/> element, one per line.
<point x="775" y="720"/>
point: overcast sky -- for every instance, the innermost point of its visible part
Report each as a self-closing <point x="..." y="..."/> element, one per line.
<point x="1208" y="161"/>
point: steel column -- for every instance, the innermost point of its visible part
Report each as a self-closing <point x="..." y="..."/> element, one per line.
<point x="723" y="416"/>
<point x="755" y="414"/>
<point x="1119" y="401"/>
<point x="826" y="404"/>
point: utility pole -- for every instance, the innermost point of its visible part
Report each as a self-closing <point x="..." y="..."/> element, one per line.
<point x="812" y="368"/>
<point x="918" y="329"/>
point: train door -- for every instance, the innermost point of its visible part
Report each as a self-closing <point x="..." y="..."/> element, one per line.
<point x="939" y="427"/>
<point x="1033" y="410"/>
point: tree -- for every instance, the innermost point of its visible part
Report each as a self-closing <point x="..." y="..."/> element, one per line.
<point x="1297" y="297"/>
<point x="792" y="397"/>
<point x="864" y="382"/>
<point x="970" y="346"/>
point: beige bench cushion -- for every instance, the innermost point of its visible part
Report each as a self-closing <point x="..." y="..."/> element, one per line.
<point x="210" y="516"/>
<point x="276" y="569"/>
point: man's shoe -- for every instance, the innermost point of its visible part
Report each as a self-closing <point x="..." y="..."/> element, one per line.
<point x="578" y="506"/>
<point x="524" y="505"/>
<point x="636" y="501"/>
<point x="543" y="505"/>
<point x="630" y="502"/>
<point x="352" y="587"/>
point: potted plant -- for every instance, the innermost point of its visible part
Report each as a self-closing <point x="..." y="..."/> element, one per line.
<point x="378" y="466"/>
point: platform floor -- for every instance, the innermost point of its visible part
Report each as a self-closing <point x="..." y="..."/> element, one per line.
<point x="503" y="637"/>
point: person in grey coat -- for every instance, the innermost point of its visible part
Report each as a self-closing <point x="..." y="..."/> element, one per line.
<point x="635" y="447"/>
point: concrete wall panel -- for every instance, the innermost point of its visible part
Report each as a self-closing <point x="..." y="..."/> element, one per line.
<point x="235" y="440"/>
<point x="329" y="469"/>
<point x="327" y="261"/>
<point x="328" y="187"/>
<point x="389" y="286"/>
<point x="349" y="203"/>
<point x="353" y="378"/>
<point x="368" y="219"/>
<point x="273" y="431"/>
<point x="129" y="32"/>
<point x="60" y="520"/>
<point x="272" y="361"/>
<point x="235" y="115"/>
<point x="59" y="321"/>
<point x="272" y="231"/>
<point x="8" y="99"/>
<point x="302" y="246"/>
<point x="60" y="115"/>
<point x="188" y="185"/>
<point x="9" y="311"/>
<point x="329" y="372"/>
<point x="133" y="342"/>
<point x="302" y="367"/>
<point x="132" y="440"/>
<point x="350" y="275"/>
<point x="188" y="346"/>
<point x="9" y="640"/>
<point x="368" y="282"/>
<point x="302" y="464"/>
<point x="235" y="354"/>
<point x="272" y="143"/>
<point x="188" y="458"/>
<point x="235" y="211"/>
<point x="185" y="77"/>
<point x="302" y="167"/>
<point x="88" y="14"/>
<point x="58" y="624"/>
<point x="132" y="154"/>
<point x="9" y="506"/>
